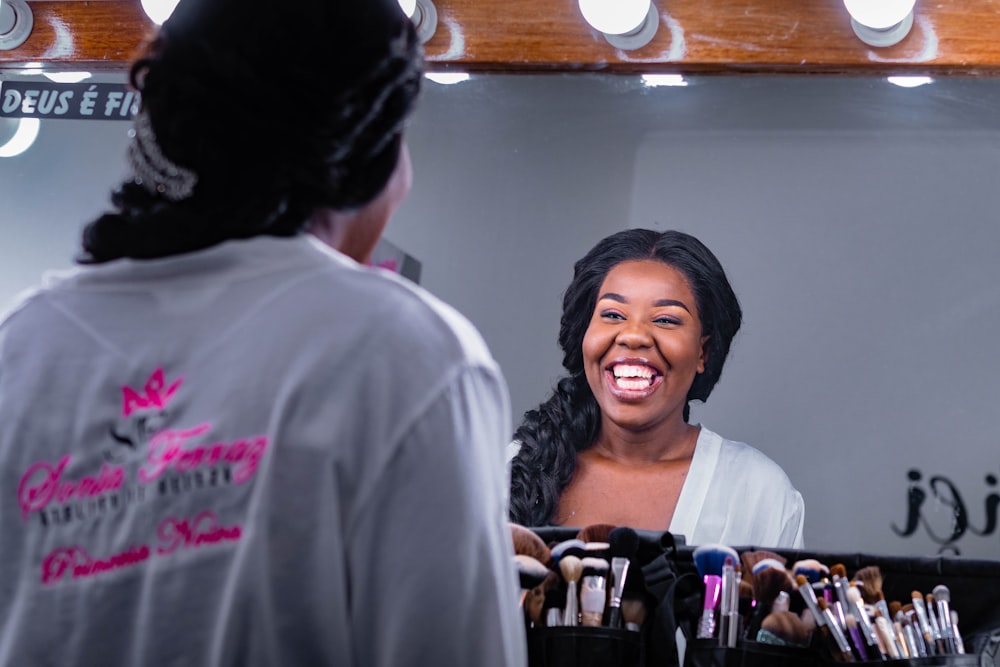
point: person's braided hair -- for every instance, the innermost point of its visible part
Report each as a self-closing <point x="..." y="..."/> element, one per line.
<point x="278" y="113"/>
<point x="551" y="435"/>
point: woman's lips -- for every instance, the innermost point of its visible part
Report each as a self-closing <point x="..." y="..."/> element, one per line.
<point x="632" y="381"/>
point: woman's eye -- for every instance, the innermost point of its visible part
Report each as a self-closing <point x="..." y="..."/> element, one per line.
<point x="612" y="315"/>
<point x="666" y="320"/>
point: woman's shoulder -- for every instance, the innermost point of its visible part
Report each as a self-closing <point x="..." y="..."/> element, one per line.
<point x="745" y="459"/>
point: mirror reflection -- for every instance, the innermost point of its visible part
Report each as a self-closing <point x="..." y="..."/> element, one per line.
<point x="854" y="218"/>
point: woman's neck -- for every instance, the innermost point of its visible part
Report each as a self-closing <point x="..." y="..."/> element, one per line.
<point x="668" y="442"/>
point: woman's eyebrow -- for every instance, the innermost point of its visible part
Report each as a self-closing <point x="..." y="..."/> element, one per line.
<point x="659" y="303"/>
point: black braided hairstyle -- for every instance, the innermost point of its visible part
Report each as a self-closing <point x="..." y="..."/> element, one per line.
<point x="278" y="111"/>
<point x="569" y="420"/>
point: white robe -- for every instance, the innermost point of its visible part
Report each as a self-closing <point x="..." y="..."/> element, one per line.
<point x="733" y="495"/>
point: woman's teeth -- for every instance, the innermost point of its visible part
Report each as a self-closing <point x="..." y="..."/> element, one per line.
<point x="633" y="377"/>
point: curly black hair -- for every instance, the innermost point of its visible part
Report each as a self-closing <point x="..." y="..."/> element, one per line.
<point x="569" y="420"/>
<point x="278" y="113"/>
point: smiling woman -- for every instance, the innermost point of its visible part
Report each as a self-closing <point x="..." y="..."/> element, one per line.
<point x="647" y="324"/>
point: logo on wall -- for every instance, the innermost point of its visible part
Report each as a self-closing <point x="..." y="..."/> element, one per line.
<point x="945" y="520"/>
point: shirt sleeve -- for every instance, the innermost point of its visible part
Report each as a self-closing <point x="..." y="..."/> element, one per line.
<point x="431" y="570"/>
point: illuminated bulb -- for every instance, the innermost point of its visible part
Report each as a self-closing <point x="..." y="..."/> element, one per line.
<point x="615" y="17"/>
<point x="424" y="15"/>
<point x="25" y="133"/>
<point x="626" y="24"/>
<point x="447" y="78"/>
<point x="909" y="81"/>
<point x="66" y="77"/>
<point x="159" y="11"/>
<point x="409" y="6"/>
<point x="656" y="80"/>
<point x="880" y="22"/>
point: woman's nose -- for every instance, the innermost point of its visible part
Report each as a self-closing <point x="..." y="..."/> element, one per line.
<point x="634" y="335"/>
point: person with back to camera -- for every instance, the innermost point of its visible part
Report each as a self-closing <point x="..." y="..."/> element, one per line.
<point x="647" y="323"/>
<point x="223" y="442"/>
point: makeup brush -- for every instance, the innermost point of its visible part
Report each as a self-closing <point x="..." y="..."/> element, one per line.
<point x="931" y="605"/>
<point x="595" y="532"/>
<point x="813" y="570"/>
<point x="624" y="542"/>
<point x="572" y="547"/>
<point x="619" y="575"/>
<point x="634" y="610"/>
<point x="534" y="604"/>
<point x="959" y="644"/>
<point x="769" y="578"/>
<point x="942" y="599"/>
<point x="857" y="641"/>
<point x="710" y="560"/>
<point x="571" y="568"/>
<point x="526" y="542"/>
<point x="920" y="608"/>
<point x="841" y="648"/>
<point x="593" y="591"/>
<point x="749" y="560"/>
<point x="530" y="571"/>
<point x="555" y="602"/>
<point x="707" y="622"/>
<point x="869" y="580"/>
<point x="808" y="595"/>
<point x="856" y="606"/>
<point x="783" y="628"/>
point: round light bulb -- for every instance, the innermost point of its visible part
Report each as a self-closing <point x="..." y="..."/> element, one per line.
<point x="879" y="14"/>
<point x="159" y="11"/>
<point x="25" y="133"/>
<point x="408" y="6"/>
<point x="615" y="17"/>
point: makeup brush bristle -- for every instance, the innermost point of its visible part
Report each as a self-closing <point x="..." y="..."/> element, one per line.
<point x="786" y="626"/>
<point x="751" y="558"/>
<point x="709" y="558"/>
<point x="869" y="580"/>
<point x="596" y="532"/>
<point x="527" y="543"/>
<point x="811" y="569"/>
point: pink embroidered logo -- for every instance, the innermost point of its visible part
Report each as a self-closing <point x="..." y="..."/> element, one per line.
<point x="155" y="394"/>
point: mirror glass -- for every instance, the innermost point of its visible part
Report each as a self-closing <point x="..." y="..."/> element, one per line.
<point x="854" y="216"/>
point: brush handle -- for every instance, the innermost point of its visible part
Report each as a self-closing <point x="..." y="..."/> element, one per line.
<point x="571" y="612"/>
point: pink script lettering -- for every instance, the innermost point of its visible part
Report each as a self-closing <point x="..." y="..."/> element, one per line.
<point x="166" y="450"/>
<point x="203" y="529"/>
<point x="78" y="563"/>
<point x="42" y="484"/>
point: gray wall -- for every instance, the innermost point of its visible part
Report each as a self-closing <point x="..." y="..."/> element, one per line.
<point x="853" y="218"/>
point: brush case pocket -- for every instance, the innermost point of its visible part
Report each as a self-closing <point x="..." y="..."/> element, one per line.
<point x="583" y="646"/>
<point x="708" y="653"/>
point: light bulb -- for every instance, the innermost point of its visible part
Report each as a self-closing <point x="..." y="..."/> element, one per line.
<point x="16" y="22"/>
<point x="879" y="14"/>
<point x="24" y="135"/>
<point x="880" y="22"/>
<point x="408" y="6"/>
<point x="615" y="17"/>
<point x="159" y="11"/>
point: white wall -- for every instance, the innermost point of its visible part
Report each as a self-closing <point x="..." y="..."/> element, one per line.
<point x="855" y="220"/>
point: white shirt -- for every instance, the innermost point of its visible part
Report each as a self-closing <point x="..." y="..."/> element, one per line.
<point x="735" y="495"/>
<point x="256" y="454"/>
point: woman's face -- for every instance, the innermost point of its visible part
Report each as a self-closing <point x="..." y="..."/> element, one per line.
<point x="644" y="345"/>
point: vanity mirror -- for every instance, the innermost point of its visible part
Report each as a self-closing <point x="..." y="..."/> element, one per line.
<point x="856" y="218"/>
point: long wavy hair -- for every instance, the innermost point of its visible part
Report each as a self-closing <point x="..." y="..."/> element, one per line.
<point x="568" y="422"/>
<point x="278" y="112"/>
